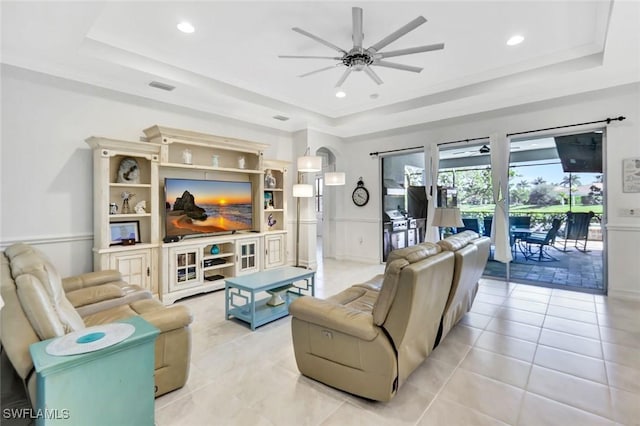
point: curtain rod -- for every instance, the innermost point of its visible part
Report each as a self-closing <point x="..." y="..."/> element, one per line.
<point x="606" y="120"/>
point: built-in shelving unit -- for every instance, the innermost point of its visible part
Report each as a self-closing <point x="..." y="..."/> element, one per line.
<point x="137" y="262"/>
<point x="189" y="154"/>
<point x="177" y="269"/>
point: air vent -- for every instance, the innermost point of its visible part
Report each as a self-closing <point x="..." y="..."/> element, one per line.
<point x="281" y="117"/>
<point x="162" y="86"/>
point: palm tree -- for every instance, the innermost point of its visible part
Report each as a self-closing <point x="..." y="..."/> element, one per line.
<point x="570" y="181"/>
<point x="538" y="181"/>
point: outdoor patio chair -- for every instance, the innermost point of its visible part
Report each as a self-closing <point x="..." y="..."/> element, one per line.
<point x="470" y="224"/>
<point x="486" y="231"/>
<point x="519" y="221"/>
<point x="578" y="229"/>
<point x="543" y="240"/>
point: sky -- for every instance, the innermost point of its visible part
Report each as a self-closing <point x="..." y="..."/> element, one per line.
<point x="551" y="173"/>
<point x="209" y="191"/>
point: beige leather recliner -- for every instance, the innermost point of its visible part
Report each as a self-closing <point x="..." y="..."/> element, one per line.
<point x="471" y="253"/>
<point x="369" y="338"/>
<point x="38" y="308"/>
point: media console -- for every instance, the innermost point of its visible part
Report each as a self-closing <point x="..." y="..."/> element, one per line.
<point x="173" y="268"/>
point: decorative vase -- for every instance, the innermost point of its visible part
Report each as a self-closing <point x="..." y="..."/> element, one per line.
<point x="215" y="249"/>
<point x="269" y="180"/>
<point x="187" y="156"/>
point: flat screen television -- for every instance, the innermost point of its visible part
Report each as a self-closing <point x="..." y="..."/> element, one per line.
<point x="204" y="207"/>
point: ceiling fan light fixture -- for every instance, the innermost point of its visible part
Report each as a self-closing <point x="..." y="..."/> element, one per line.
<point x="340" y="94"/>
<point x="516" y="39"/>
<point x="186" y="27"/>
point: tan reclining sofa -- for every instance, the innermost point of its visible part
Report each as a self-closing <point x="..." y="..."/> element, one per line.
<point x="39" y="305"/>
<point x="369" y="338"/>
<point x="471" y="253"/>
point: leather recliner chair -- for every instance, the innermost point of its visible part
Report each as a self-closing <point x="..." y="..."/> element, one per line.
<point x="369" y="338"/>
<point x="37" y="307"/>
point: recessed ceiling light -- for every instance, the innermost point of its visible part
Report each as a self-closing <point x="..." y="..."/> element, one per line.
<point x="186" y="27"/>
<point x="516" y="39"/>
<point x="340" y="94"/>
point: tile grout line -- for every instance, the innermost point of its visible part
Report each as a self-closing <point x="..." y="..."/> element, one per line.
<point x="535" y="352"/>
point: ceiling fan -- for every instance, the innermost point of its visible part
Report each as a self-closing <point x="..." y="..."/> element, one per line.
<point x="361" y="59"/>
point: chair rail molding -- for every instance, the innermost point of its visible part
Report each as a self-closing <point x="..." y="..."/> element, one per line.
<point x="48" y="239"/>
<point x="623" y="228"/>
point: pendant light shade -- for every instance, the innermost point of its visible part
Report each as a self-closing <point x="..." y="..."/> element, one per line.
<point x="309" y="164"/>
<point x="302" y="190"/>
<point x="334" y="178"/>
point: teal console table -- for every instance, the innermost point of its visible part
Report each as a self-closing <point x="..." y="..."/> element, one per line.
<point x="110" y="386"/>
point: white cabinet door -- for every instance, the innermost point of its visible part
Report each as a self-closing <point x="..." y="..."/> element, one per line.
<point x="185" y="269"/>
<point x="134" y="267"/>
<point x="274" y="251"/>
<point x="247" y="255"/>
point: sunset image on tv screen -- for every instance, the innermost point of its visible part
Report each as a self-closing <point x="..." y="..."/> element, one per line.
<point x="206" y="206"/>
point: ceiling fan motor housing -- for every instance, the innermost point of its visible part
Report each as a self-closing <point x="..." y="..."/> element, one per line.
<point x="357" y="59"/>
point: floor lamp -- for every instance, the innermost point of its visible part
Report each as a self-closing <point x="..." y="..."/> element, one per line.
<point x="306" y="164"/>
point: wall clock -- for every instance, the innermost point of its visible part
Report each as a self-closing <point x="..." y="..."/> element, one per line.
<point x="360" y="195"/>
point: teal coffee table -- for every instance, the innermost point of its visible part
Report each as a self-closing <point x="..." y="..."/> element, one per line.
<point x="240" y="294"/>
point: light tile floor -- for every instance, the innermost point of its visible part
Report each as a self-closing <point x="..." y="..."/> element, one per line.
<point x="524" y="355"/>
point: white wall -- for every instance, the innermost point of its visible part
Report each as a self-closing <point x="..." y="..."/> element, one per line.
<point x="46" y="178"/>
<point x="359" y="228"/>
<point x="46" y="167"/>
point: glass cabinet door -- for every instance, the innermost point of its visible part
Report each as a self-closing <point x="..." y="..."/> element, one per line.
<point x="248" y="255"/>
<point x="185" y="268"/>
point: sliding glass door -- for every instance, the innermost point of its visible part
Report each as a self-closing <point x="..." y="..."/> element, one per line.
<point x="556" y="188"/>
<point x="556" y="207"/>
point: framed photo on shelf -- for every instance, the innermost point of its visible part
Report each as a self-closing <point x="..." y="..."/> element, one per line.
<point x="268" y="200"/>
<point x="124" y="233"/>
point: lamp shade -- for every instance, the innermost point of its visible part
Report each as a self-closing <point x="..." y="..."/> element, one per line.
<point x="334" y="178"/>
<point x="303" y="190"/>
<point x="447" y="217"/>
<point x="309" y="164"/>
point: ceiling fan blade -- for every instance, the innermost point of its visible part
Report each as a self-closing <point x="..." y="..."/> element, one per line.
<point x="410" y="50"/>
<point x="316" y="71"/>
<point x="397" y="66"/>
<point x="373" y="75"/>
<point x="357" y="35"/>
<point x="399" y="33"/>
<point x="318" y="39"/>
<point x="344" y="77"/>
<point x="337" y="58"/>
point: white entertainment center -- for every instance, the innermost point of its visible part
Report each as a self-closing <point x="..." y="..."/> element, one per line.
<point x="173" y="268"/>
